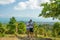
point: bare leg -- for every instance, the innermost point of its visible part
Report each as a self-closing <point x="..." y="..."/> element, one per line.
<point x="31" y="34"/>
<point x="28" y="35"/>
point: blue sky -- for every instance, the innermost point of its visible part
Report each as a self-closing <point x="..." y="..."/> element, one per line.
<point x="22" y="8"/>
<point x="8" y="9"/>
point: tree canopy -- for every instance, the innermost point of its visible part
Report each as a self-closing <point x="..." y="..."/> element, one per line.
<point x="51" y="9"/>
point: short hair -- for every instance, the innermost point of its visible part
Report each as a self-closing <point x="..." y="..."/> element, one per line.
<point x="30" y="20"/>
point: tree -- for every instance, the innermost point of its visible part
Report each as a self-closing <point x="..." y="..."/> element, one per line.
<point x="51" y="9"/>
<point x="12" y="20"/>
<point x="11" y="26"/>
<point x="21" y="28"/>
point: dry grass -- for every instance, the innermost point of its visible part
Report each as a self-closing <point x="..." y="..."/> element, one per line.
<point x="8" y="38"/>
<point x="12" y="37"/>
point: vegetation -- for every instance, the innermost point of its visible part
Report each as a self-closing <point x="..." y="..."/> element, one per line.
<point x="56" y="29"/>
<point x="2" y="30"/>
<point x="14" y="27"/>
<point x="51" y="9"/>
<point x="21" y="28"/>
<point x="11" y="26"/>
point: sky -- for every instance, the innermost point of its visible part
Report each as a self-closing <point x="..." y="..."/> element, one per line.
<point x="22" y="8"/>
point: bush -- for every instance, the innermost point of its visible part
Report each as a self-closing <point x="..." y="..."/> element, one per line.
<point x="2" y="34"/>
<point x="56" y="29"/>
<point x="22" y="28"/>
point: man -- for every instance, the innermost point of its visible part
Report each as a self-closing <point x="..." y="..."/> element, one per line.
<point x="30" y="29"/>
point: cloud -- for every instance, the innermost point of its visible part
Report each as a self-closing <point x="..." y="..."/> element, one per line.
<point x="3" y="2"/>
<point x="30" y="4"/>
<point x="21" y="5"/>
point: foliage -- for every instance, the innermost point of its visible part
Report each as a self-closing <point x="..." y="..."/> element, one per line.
<point x="12" y="20"/>
<point x="21" y="28"/>
<point x="56" y="29"/>
<point x="2" y="30"/>
<point x="0" y="24"/>
<point x="51" y="9"/>
<point x="40" y="29"/>
<point x="11" y="26"/>
<point x="35" y="27"/>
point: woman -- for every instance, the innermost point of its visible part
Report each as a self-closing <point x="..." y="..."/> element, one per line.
<point x="30" y="29"/>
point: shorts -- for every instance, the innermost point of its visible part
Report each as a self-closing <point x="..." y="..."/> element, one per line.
<point x="31" y="29"/>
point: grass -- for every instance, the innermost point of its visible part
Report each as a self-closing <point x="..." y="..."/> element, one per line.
<point x="13" y="37"/>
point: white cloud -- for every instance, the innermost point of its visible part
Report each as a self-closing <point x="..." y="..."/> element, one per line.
<point x="21" y="5"/>
<point x="30" y="4"/>
<point x="3" y="2"/>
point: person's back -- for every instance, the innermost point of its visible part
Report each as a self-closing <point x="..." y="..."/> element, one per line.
<point x="30" y="28"/>
<point x="29" y="24"/>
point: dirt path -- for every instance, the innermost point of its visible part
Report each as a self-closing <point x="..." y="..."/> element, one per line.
<point x="22" y="38"/>
<point x="34" y="39"/>
<point x="26" y="38"/>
